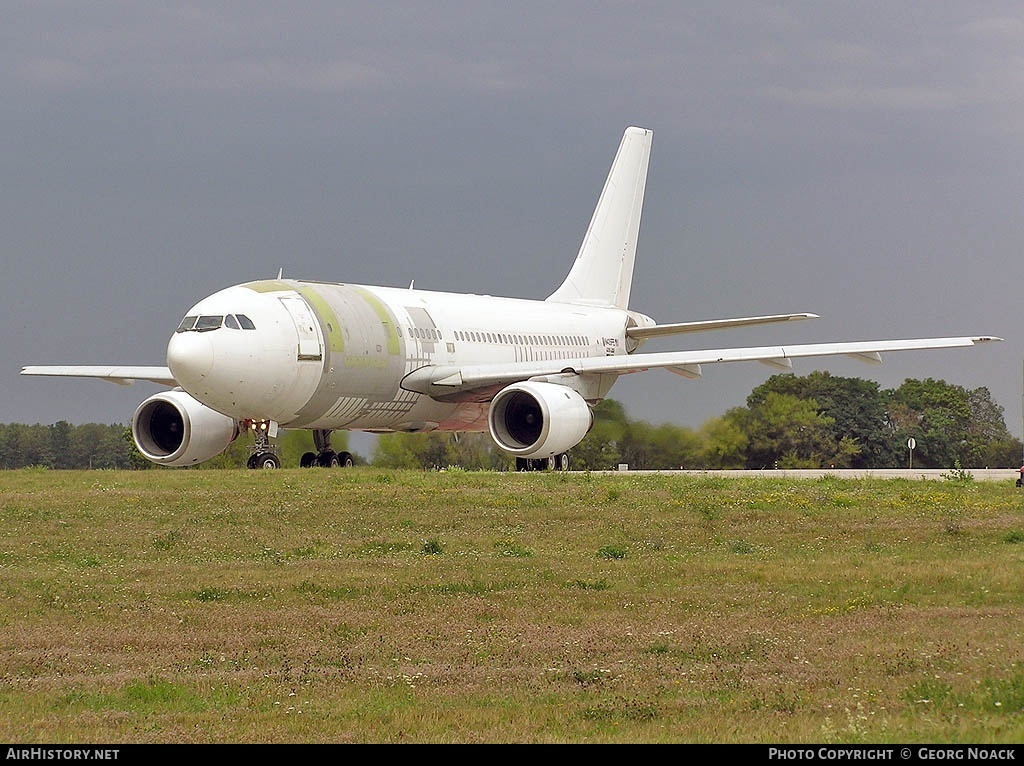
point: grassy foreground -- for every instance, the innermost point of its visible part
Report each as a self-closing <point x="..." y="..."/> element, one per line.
<point x="368" y="605"/>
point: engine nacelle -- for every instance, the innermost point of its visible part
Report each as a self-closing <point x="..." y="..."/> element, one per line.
<point x="536" y="420"/>
<point x="172" y="428"/>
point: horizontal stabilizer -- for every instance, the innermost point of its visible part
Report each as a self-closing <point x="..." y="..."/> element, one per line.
<point x="659" y="330"/>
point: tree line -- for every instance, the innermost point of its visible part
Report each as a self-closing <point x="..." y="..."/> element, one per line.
<point x="814" y="421"/>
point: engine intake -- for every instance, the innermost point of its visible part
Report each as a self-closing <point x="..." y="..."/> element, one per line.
<point x="534" y="420"/>
<point x="171" y="428"/>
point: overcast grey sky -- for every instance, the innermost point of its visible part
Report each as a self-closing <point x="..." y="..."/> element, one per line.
<point x="862" y="161"/>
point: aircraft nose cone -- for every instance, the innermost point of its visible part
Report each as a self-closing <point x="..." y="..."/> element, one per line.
<point x="189" y="357"/>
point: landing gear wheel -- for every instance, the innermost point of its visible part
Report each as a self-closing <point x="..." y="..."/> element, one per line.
<point x="562" y="462"/>
<point x="266" y="460"/>
<point x="535" y="464"/>
<point x="345" y="460"/>
<point x="308" y="460"/>
<point x="327" y="459"/>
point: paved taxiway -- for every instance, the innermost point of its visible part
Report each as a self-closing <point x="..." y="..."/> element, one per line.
<point x="1009" y="475"/>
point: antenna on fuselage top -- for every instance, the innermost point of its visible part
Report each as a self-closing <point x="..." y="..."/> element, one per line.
<point x="280" y="272"/>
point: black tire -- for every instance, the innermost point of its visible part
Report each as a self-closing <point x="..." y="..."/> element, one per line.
<point x="327" y="459"/>
<point x="308" y="460"/>
<point x="562" y="462"/>
<point x="263" y="460"/>
<point x="522" y="464"/>
<point x="345" y="460"/>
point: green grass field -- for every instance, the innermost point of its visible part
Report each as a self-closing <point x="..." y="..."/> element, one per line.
<point x="375" y="606"/>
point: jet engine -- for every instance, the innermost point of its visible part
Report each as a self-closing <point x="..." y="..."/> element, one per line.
<point x="537" y="420"/>
<point x="172" y="428"/>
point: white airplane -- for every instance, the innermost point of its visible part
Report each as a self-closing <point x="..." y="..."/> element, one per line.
<point x="295" y="354"/>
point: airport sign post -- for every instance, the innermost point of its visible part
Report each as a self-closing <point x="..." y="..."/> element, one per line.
<point x="911" y="443"/>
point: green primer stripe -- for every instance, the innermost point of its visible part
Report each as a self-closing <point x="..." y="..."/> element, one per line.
<point x="269" y="286"/>
<point x="385" y="319"/>
<point x="335" y="340"/>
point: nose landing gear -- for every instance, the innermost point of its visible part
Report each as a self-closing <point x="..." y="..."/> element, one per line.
<point x="263" y="460"/>
<point x="264" y="454"/>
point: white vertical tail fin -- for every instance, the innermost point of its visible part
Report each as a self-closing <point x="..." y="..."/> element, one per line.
<point x="602" y="273"/>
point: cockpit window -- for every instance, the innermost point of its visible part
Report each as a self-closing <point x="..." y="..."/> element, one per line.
<point x="209" y="322"/>
<point x="187" y="324"/>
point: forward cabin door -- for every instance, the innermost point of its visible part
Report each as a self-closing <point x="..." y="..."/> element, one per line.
<point x="310" y="347"/>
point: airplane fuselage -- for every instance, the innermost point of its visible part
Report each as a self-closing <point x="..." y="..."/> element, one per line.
<point x="333" y="356"/>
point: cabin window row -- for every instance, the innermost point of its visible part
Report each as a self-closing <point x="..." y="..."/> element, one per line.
<point x="431" y="333"/>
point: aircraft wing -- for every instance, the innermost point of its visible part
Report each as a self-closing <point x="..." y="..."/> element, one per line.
<point x="451" y="382"/>
<point x="123" y="376"/>
<point x="660" y="330"/>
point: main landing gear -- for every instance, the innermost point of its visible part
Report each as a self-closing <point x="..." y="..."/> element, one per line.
<point x="554" y="463"/>
<point x="327" y="459"/>
<point x="324" y="456"/>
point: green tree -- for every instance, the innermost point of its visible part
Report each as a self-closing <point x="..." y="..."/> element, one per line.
<point x="989" y="443"/>
<point x="664" y="446"/>
<point x="600" y="449"/>
<point x="10" y="446"/>
<point x="402" y="450"/>
<point x="35" y="445"/>
<point x="951" y="425"/>
<point x="784" y="431"/>
<point x="723" y="443"/>
<point x="937" y="415"/>
<point x="858" y="409"/>
<point x="478" y="452"/>
<point x="59" y="435"/>
<point x="94" y="445"/>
